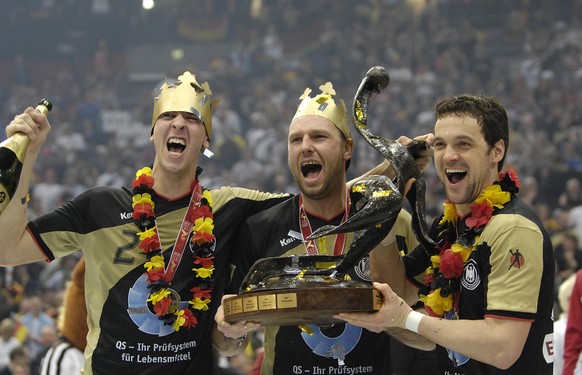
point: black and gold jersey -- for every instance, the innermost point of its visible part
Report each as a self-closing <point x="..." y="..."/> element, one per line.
<point x="510" y="275"/>
<point x="125" y="337"/>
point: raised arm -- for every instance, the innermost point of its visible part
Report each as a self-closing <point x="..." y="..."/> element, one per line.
<point x="16" y="244"/>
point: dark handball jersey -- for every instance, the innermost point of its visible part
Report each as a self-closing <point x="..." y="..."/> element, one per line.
<point x="124" y="336"/>
<point x="510" y="275"/>
<point x="340" y="349"/>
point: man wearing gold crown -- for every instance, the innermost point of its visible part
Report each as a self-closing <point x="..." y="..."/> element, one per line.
<point x="156" y="251"/>
<point x="320" y="147"/>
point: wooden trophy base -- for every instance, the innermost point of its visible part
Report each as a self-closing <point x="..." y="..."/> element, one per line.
<point x="300" y="306"/>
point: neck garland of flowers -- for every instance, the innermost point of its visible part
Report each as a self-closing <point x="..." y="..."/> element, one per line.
<point x="442" y="282"/>
<point x="162" y="300"/>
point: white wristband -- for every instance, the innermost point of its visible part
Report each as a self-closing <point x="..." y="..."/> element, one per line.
<point x="413" y="321"/>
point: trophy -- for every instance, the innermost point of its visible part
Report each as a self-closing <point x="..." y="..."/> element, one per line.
<point x="310" y="289"/>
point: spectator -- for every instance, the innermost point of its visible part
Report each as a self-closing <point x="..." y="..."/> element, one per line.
<point x="19" y="362"/>
<point x="7" y="341"/>
<point x="20" y="73"/>
<point x="49" y="191"/>
<point x="112" y="175"/>
<point x="573" y="337"/>
<point x="66" y="356"/>
<point x="48" y="338"/>
<point x="35" y="319"/>
<point x="572" y="194"/>
<point x="564" y="294"/>
<point x="568" y="257"/>
<point x="575" y="222"/>
<point x="101" y="56"/>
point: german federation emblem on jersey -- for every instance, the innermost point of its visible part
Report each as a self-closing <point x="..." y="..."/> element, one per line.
<point x="471" y="278"/>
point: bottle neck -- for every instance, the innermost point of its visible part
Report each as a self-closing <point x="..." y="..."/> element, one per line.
<point x="17" y="143"/>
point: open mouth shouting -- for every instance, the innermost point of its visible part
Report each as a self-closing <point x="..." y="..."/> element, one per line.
<point x="176" y="146"/>
<point x="311" y="170"/>
<point x="454" y="176"/>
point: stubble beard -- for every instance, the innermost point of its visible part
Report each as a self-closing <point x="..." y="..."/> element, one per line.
<point x="467" y="196"/>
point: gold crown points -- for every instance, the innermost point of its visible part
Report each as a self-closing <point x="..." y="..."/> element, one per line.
<point x="324" y="105"/>
<point x="201" y="90"/>
<point x="186" y="94"/>
<point x="327" y="93"/>
<point x="191" y="79"/>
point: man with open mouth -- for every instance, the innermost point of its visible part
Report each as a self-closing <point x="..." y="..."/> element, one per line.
<point x="488" y="285"/>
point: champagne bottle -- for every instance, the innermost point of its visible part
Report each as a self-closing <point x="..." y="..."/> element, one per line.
<point x="12" y="153"/>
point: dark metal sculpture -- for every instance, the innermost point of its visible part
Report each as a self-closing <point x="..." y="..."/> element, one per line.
<point x="403" y="161"/>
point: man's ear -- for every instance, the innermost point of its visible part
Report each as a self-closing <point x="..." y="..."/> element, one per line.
<point x="349" y="149"/>
<point x="498" y="151"/>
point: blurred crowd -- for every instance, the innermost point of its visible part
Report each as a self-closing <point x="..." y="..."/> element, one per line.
<point x="527" y="53"/>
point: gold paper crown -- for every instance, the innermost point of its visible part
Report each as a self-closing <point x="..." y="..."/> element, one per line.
<point x="186" y="95"/>
<point x="324" y="105"/>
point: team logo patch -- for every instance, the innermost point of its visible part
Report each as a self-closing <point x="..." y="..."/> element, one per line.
<point x="516" y="260"/>
<point x="333" y="346"/>
<point x="142" y="315"/>
<point x="470" y="279"/>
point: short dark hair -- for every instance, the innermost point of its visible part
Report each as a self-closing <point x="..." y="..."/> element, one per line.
<point x="17" y="352"/>
<point x="489" y="113"/>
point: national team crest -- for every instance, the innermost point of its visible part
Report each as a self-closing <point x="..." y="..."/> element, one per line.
<point x="471" y="278"/>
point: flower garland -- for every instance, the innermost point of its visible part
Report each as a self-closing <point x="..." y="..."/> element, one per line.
<point x="442" y="281"/>
<point x="162" y="300"/>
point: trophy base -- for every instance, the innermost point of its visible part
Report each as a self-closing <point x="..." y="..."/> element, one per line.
<point x="300" y="306"/>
